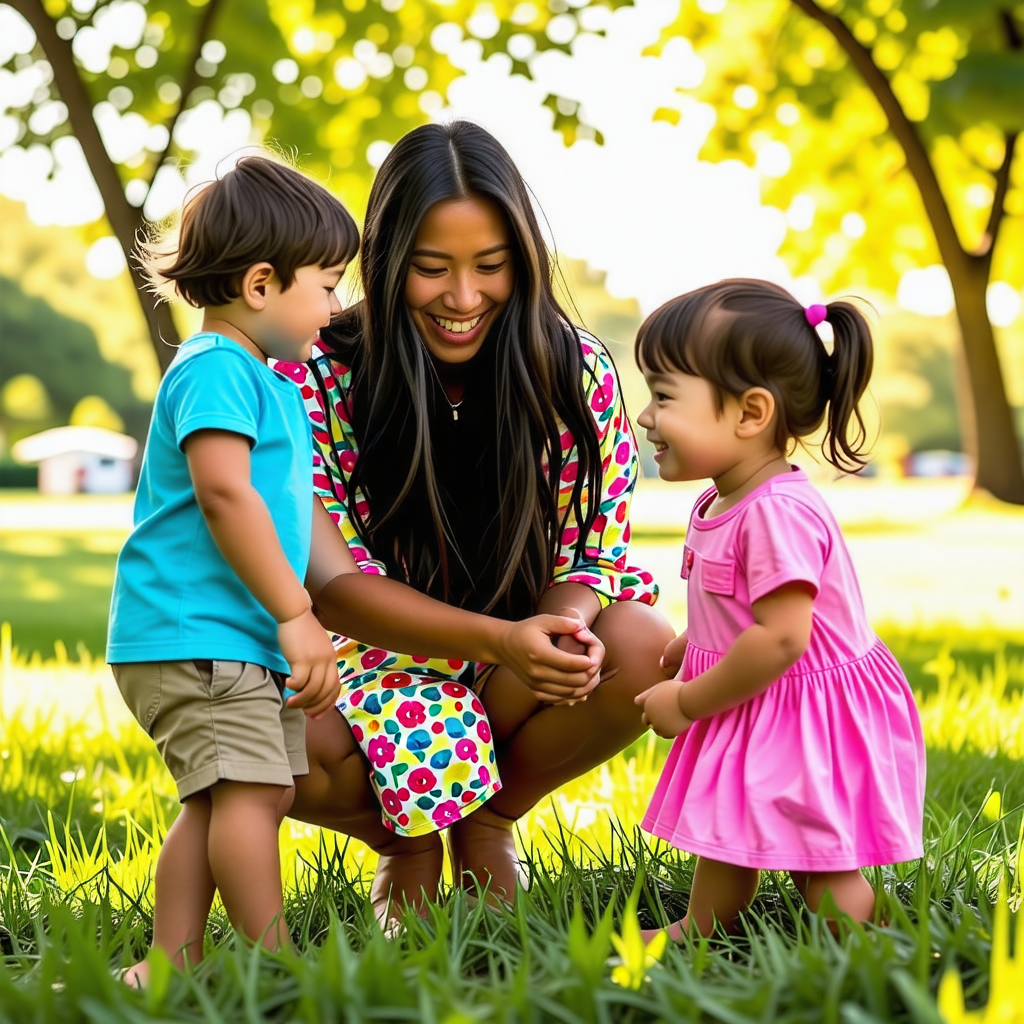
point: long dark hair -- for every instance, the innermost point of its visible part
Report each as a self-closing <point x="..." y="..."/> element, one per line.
<point x="742" y="333"/>
<point x="537" y="379"/>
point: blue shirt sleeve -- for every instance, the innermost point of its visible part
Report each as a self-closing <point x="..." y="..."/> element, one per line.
<point x="214" y="390"/>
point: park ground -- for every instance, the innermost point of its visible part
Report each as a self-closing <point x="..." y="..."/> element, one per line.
<point x="84" y="801"/>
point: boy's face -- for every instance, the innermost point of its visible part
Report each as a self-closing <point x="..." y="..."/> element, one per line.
<point x="291" y="317"/>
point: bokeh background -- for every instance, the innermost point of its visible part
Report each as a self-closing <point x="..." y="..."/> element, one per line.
<point x="838" y="147"/>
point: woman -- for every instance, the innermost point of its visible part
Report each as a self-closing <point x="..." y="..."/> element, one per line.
<point x="462" y="426"/>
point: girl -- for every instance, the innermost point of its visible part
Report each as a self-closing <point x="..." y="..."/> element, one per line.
<point x="798" y="743"/>
<point x="470" y="441"/>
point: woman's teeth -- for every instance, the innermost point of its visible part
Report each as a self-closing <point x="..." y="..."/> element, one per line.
<point x="457" y="326"/>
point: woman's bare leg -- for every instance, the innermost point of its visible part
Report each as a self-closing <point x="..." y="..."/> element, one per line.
<point x="720" y="892"/>
<point x="541" y="746"/>
<point x="850" y="890"/>
<point x="337" y="794"/>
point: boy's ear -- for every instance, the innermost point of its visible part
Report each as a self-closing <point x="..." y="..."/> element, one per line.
<point x="254" y="285"/>
<point x="757" y="410"/>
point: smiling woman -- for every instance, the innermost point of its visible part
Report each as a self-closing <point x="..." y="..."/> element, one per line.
<point x="472" y="442"/>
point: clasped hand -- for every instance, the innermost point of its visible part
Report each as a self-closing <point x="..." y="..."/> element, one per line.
<point x="556" y="656"/>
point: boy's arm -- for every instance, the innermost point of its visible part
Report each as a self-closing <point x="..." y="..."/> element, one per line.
<point x="389" y="614"/>
<point x="757" y="657"/>
<point x="242" y="529"/>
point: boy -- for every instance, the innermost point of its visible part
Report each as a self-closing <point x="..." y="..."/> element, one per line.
<point x="209" y="614"/>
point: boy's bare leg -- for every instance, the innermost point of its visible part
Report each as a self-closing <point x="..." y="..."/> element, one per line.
<point x="851" y="891"/>
<point x="720" y="892"/>
<point x="246" y="860"/>
<point x="184" y="889"/>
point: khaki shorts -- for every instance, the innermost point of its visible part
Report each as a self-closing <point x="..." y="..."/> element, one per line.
<point x="216" y="721"/>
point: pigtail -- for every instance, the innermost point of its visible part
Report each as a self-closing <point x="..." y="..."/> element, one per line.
<point x="845" y="377"/>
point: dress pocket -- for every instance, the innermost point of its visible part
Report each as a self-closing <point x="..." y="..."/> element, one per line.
<point x="718" y="577"/>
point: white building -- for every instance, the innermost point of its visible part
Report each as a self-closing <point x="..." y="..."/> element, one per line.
<point x="80" y="459"/>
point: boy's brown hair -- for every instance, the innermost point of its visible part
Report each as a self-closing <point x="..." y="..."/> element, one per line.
<point x="259" y="211"/>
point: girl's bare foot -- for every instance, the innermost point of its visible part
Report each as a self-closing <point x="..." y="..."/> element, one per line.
<point x="137" y="976"/>
<point x="674" y="931"/>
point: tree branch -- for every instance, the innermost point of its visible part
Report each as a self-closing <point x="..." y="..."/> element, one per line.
<point x="188" y="85"/>
<point x="995" y="217"/>
<point x="124" y="219"/>
<point x="918" y="162"/>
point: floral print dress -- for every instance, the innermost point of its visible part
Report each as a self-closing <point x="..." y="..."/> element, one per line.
<point x="417" y="719"/>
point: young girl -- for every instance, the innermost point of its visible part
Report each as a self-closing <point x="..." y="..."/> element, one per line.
<point x="798" y="743"/>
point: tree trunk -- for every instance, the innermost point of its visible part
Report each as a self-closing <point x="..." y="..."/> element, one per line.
<point x="125" y="219"/>
<point x="995" y="446"/>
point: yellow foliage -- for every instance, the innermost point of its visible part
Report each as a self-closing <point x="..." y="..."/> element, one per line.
<point x="24" y="397"/>
<point x="93" y="411"/>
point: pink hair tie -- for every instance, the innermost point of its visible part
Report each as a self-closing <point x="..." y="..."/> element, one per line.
<point x="816" y="313"/>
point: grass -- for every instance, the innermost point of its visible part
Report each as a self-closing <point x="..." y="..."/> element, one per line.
<point x="84" y="802"/>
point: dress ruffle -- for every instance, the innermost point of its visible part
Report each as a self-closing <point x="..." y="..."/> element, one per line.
<point x="823" y="771"/>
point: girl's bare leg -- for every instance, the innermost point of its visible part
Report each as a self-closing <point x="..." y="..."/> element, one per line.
<point x="184" y="889"/>
<point x="850" y="890"/>
<point x="720" y="892"/>
<point x="542" y="746"/>
<point x="245" y="859"/>
<point x="337" y="794"/>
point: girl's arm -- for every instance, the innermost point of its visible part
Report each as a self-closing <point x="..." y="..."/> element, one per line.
<point x="388" y="614"/>
<point x="242" y="529"/>
<point x="757" y="658"/>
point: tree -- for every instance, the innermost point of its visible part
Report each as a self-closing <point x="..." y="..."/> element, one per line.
<point x="334" y="84"/>
<point x="893" y="113"/>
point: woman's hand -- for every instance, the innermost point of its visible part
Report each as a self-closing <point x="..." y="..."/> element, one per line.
<point x="533" y="649"/>
<point x="661" y="708"/>
<point x="672" y="659"/>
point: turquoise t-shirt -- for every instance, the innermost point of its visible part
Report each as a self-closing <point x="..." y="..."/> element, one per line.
<point x="175" y="597"/>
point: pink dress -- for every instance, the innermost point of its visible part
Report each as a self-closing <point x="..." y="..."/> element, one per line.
<point x="824" y="770"/>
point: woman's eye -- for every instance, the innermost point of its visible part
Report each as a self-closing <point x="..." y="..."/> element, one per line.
<point x="492" y="268"/>
<point x="428" y="271"/>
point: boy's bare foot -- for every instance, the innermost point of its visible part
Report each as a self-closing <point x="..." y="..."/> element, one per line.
<point x="137" y="976"/>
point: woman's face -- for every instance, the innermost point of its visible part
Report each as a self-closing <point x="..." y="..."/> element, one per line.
<point x="459" y="277"/>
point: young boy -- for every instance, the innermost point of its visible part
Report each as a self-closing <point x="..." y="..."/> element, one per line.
<point x="209" y="613"/>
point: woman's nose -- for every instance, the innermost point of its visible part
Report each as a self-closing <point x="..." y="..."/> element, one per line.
<point x="463" y="295"/>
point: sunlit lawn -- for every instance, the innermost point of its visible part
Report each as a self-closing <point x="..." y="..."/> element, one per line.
<point x="84" y="801"/>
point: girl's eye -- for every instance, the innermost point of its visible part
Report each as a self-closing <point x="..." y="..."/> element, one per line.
<point x="660" y="396"/>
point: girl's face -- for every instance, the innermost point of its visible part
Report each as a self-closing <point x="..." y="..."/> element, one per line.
<point x="693" y="440"/>
<point x="460" y="276"/>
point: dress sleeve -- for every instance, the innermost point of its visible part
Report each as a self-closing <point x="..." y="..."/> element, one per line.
<point x="324" y="384"/>
<point x="603" y="565"/>
<point x="781" y="540"/>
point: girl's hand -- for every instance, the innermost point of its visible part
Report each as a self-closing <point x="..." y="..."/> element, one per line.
<point x="661" y="708"/>
<point x="672" y="659"/>
<point x="314" y="666"/>
<point x="532" y="650"/>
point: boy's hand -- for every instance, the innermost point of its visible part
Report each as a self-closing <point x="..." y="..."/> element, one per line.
<point x="661" y="708"/>
<point x="672" y="658"/>
<point x="532" y="649"/>
<point x="309" y="652"/>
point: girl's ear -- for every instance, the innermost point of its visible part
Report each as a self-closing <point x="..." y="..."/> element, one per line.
<point x="757" y="410"/>
<point x="254" y="285"/>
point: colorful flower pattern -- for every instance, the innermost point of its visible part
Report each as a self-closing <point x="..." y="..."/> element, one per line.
<point x="423" y="730"/>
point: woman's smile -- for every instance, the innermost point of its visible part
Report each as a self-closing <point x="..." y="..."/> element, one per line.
<point x="460" y="276"/>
